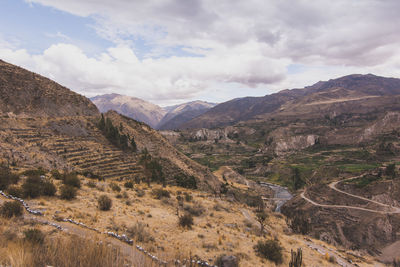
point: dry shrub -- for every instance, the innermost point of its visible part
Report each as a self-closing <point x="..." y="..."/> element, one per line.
<point x="104" y="202"/>
<point x="139" y="233"/>
<point x="11" y="208"/>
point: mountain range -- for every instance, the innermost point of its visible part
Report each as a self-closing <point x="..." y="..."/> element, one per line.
<point x="164" y="118"/>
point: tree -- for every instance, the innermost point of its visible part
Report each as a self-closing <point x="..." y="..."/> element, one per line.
<point x="262" y="218"/>
<point x="133" y="144"/>
<point x="102" y="123"/>
<point x="297" y="180"/>
<point x="391" y="170"/>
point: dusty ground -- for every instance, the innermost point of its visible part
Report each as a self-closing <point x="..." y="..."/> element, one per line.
<point x="223" y="227"/>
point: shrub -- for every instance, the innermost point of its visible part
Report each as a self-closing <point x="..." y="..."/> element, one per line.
<point x="91" y="184"/>
<point x="104" y="202"/>
<point x="32" y="187"/>
<point x="15" y="191"/>
<point x="270" y="250"/>
<point x="56" y="175"/>
<point x="72" y="180"/>
<point x="186" y="181"/>
<point x="160" y="193"/>
<point x="34" y="236"/>
<point x="36" y="172"/>
<point x="195" y="210"/>
<point x="186" y="221"/>
<point x="48" y="188"/>
<point x="128" y="184"/>
<point x="7" y="177"/>
<point x="115" y="187"/>
<point x="68" y="192"/>
<point x="11" y="208"/>
<point x="139" y="233"/>
<point x="140" y="193"/>
<point x="188" y="197"/>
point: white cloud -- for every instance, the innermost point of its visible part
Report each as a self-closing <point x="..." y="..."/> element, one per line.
<point x="119" y="70"/>
<point x="245" y="43"/>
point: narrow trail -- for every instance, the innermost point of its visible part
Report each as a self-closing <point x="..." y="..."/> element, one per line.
<point x="395" y="210"/>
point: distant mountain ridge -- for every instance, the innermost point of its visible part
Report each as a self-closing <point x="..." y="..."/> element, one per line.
<point x="132" y="107"/>
<point x="354" y="87"/>
<point x="170" y="117"/>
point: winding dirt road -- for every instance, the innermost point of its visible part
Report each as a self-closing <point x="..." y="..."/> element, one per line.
<point x="333" y="186"/>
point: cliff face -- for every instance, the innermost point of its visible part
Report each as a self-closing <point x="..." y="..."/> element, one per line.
<point x="24" y="92"/>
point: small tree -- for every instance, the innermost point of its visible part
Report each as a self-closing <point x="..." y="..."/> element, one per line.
<point x="261" y="218"/>
<point x="104" y="202"/>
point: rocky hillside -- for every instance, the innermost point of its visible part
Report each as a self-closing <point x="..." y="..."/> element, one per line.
<point x="24" y="92"/>
<point x="132" y="107"/>
<point x="347" y="92"/>
<point x="46" y="125"/>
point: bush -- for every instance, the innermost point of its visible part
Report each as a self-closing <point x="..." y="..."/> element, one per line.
<point x="48" y="188"/>
<point x="91" y="184"/>
<point x="160" y="193"/>
<point x="270" y="250"/>
<point x="128" y="184"/>
<point x="195" y="210"/>
<point x="15" y="191"/>
<point x="186" y="181"/>
<point x="36" y="172"/>
<point x="115" y="187"/>
<point x="56" y="175"/>
<point x="11" y="209"/>
<point x="32" y="187"/>
<point x="72" y="180"/>
<point x="104" y="202"/>
<point x="188" y="197"/>
<point x="34" y="236"/>
<point x="68" y="192"/>
<point x="186" y="221"/>
<point x="6" y="177"/>
<point x="139" y="233"/>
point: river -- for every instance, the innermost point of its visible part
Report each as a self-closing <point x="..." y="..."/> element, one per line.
<point x="282" y="194"/>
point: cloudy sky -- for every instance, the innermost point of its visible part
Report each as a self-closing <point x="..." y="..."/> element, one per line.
<point x="173" y="51"/>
